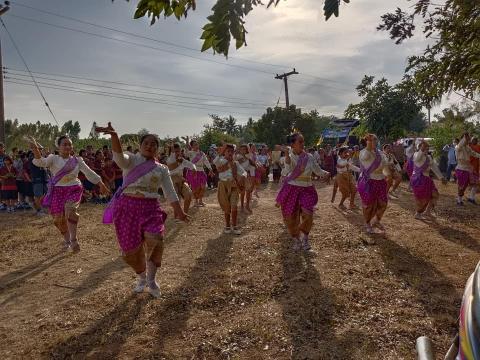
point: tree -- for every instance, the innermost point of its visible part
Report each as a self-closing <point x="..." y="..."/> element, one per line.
<point x="226" y="125"/>
<point x="385" y="110"/>
<point x="450" y="62"/>
<point x="71" y="129"/>
<point x="44" y="133"/>
<point x="227" y="20"/>
<point x="452" y="123"/>
<point x="276" y="124"/>
<point x="212" y="136"/>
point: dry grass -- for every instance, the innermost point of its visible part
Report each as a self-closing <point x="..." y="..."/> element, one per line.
<point x="247" y="297"/>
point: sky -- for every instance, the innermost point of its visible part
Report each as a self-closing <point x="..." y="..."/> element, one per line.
<point x="187" y="85"/>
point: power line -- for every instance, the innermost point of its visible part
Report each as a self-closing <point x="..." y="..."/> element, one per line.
<point x="155" y="48"/>
<point x="139" y="97"/>
<point x="137" y="91"/>
<point x="138" y="44"/>
<point x="122" y="96"/>
<point x="28" y="69"/>
<point x="137" y="35"/>
<point x="130" y="84"/>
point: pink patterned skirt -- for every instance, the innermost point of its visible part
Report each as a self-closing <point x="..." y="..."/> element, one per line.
<point x="196" y="179"/>
<point x="259" y="173"/>
<point x="133" y="217"/>
<point x="291" y="198"/>
<point x="464" y="178"/>
<point x="372" y="191"/>
<point x="63" y="194"/>
<point x="423" y="188"/>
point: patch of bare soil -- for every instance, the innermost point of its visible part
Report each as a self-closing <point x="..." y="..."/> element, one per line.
<point x="240" y="297"/>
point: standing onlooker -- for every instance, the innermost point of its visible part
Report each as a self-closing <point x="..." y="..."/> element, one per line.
<point x="39" y="184"/>
<point x="27" y="181"/>
<point x="2" y="157"/>
<point x="8" y="176"/>
<point x="475" y="161"/>
<point x="452" y="158"/>
<point x="18" y="165"/>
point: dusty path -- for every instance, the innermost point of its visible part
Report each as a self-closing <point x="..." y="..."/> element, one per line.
<point x="246" y="297"/>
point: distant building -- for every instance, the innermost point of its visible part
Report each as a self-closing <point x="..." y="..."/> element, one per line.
<point x="339" y="130"/>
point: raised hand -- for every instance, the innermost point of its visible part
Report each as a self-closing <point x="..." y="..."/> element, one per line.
<point x="108" y="130"/>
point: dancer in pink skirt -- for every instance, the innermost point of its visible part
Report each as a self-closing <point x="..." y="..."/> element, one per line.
<point x="464" y="169"/>
<point x="135" y="210"/>
<point x="65" y="188"/>
<point x="298" y="196"/>
<point x="198" y="179"/>
<point x="424" y="189"/>
<point x="372" y="185"/>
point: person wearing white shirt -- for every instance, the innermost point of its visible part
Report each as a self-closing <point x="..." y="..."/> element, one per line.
<point x="409" y="152"/>
<point x="464" y="169"/>
<point x="372" y="185"/>
<point x="424" y="189"/>
<point x="135" y="209"/>
<point x="198" y="179"/>
<point x="249" y="181"/>
<point x="176" y="164"/>
<point x="298" y="197"/>
<point x="393" y="175"/>
<point x="230" y="174"/>
<point x="65" y="190"/>
<point x="345" y="180"/>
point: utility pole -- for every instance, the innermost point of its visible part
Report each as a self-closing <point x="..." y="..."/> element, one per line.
<point x="3" y="10"/>
<point x="285" y="81"/>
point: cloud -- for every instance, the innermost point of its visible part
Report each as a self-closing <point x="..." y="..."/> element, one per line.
<point x="292" y="34"/>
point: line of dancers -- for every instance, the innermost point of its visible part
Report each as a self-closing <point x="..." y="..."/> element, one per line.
<point x="139" y="220"/>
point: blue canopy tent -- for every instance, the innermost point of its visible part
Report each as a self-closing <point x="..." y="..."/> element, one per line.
<point x="340" y="129"/>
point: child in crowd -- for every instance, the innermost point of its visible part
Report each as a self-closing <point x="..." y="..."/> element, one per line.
<point x="249" y="180"/>
<point x="344" y="178"/>
<point x="39" y="184"/>
<point x="230" y="174"/>
<point x="177" y="164"/>
<point x="8" y="176"/>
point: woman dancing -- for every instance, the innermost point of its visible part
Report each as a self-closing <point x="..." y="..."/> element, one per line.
<point x="198" y="179"/>
<point x="65" y="188"/>
<point x="424" y="189"/>
<point x="135" y="210"/>
<point x="297" y="196"/>
<point x="372" y="185"/>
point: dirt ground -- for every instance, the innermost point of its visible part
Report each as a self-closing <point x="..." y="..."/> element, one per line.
<point x="245" y="297"/>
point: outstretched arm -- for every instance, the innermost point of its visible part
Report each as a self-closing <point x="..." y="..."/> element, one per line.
<point x="122" y="159"/>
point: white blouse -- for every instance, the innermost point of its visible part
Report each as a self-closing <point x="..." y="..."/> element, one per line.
<point x="305" y="179"/>
<point x="56" y="163"/>
<point x="419" y="159"/>
<point x="463" y="153"/>
<point x="346" y="165"/>
<point x="367" y="157"/>
<point x="148" y="184"/>
<point x="245" y="163"/>
<point x="200" y="164"/>
<point x="410" y="151"/>
<point x="227" y="174"/>
<point x="178" y="171"/>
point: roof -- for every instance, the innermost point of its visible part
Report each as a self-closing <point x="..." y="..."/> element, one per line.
<point x="350" y="123"/>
